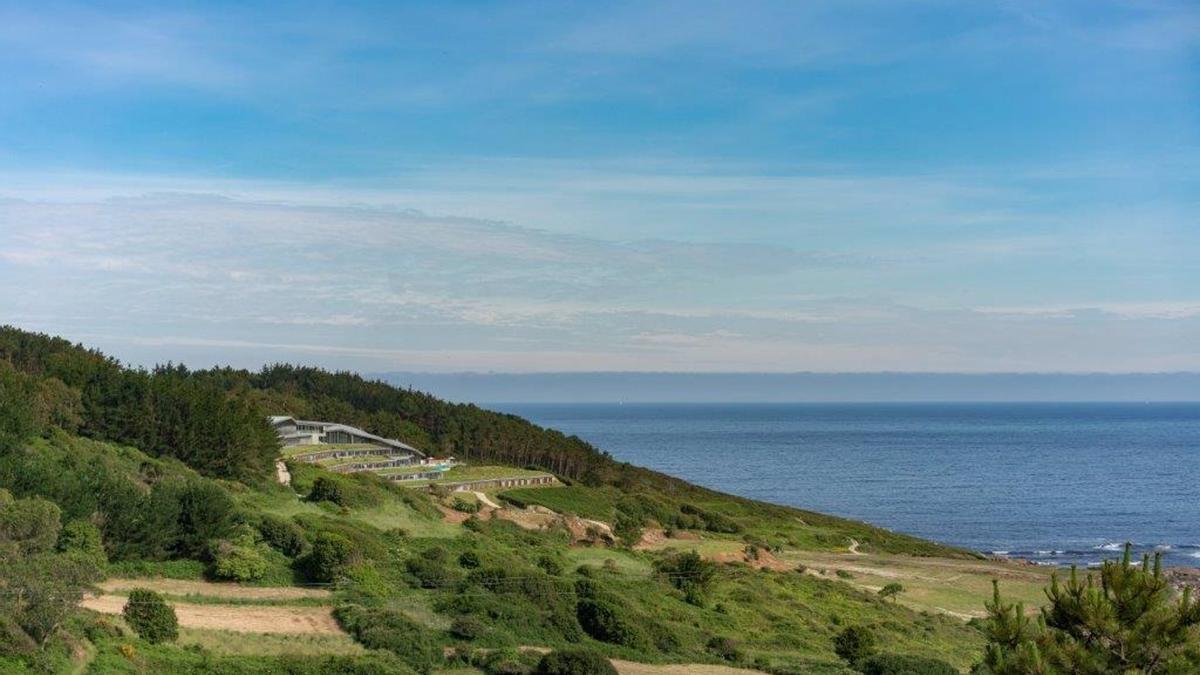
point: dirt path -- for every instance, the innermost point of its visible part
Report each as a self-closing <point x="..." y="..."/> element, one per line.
<point x="282" y="473"/>
<point x="213" y="590"/>
<point x="483" y="499"/>
<point x="236" y="618"/>
<point x="854" y="548"/>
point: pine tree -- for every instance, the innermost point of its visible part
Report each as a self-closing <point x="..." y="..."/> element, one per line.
<point x="1124" y="621"/>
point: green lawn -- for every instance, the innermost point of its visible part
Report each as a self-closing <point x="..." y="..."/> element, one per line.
<point x="464" y="473"/>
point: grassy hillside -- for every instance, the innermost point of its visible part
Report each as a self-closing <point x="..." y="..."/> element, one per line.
<point x="633" y="564"/>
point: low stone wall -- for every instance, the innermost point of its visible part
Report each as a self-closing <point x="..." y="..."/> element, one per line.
<point x="425" y="475"/>
<point x="370" y="466"/>
<point x="494" y="483"/>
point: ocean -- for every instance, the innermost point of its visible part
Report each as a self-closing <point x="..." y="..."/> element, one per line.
<point x="1053" y="483"/>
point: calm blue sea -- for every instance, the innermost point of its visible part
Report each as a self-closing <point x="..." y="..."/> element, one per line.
<point x="1056" y="483"/>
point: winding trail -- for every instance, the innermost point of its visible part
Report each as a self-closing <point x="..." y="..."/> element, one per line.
<point x="854" y="548"/>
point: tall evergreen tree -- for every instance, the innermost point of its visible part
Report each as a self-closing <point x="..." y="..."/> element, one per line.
<point x="1126" y="620"/>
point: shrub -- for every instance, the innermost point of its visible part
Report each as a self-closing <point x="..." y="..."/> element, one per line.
<point x="391" y="630"/>
<point x="82" y="538"/>
<point x="689" y="573"/>
<point x="150" y="616"/>
<point x="429" y="572"/>
<point x="725" y="648"/>
<point x="469" y="560"/>
<point x="843" y="574"/>
<point x="891" y="590"/>
<point x="606" y="622"/>
<point x="238" y="562"/>
<point x="283" y="535"/>
<point x="507" y="662"/>
<point x="467" y="628"/>
<point x="330" y="555"/>
<point x="900" y="664"/>
<point x="31" y="525"/>
<point x="327" y="489"/>
<point x="628" y="529"/>
<point x="854" y="644"/>
<point x="550" y="565"/>
<point x="465" y="506"/>
<point x="575" y="662"/>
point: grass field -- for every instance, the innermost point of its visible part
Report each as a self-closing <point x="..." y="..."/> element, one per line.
<point x="956" y="587"/>
<point x="230" y="643"/>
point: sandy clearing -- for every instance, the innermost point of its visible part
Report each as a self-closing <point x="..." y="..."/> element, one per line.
<point x="214" y="590"/>
<point x="631" y="668"/>
<point x="486" y="501"/>
<point x="282" y="473"/>
<point x="239" y="618"/>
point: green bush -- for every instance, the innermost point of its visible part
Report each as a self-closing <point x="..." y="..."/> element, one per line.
<point x="902" y="664"/>
<point x="469" y="560"/>
<point x="238" y="562"/>
<point x="575" y="662"/>
<point x="854" y="644"/>
<point x="82" y="538"/>
<point x="725" y="648"/>
<point x="330" y="555"/>
<point x="689" y="573"/>
<point x="467" y="627"/>
<point x="150" y="616"/>
<point x="328" y="489"/>
<point x="391" y="630"/>
<point x="29" y="525"/>
<point x="550" y="565"/>
<point x="282" y="534"/>
<point x="429" y="572"/>
<point x="507" y="662"/>
<point x="606" y="622"/>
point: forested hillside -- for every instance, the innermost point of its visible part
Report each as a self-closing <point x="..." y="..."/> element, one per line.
<point x="167" y="476"/>
<point x="214" y="420"/>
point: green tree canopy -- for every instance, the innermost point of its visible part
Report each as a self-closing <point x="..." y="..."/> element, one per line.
<point x="1123" y="620"/>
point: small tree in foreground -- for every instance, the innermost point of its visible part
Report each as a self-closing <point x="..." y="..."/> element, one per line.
<point x="148" y="614"/>
<point x="1123" y="621"/>
<point x="891" y="591"/>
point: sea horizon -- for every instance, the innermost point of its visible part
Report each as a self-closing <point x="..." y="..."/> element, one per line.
<point x="1051" y="482"/>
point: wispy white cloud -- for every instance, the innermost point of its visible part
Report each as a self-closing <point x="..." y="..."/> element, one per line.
<point x="216" y="279"/>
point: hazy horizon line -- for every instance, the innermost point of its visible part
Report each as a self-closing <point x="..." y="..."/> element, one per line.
<point x="802" y="387"/>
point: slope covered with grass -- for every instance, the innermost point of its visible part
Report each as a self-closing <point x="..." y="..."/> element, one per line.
<point x="108" y="473"/>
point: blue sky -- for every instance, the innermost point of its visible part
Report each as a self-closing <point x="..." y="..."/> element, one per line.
<point x="762" y="186"/>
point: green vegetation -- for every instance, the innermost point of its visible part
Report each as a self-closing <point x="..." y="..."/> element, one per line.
<point x="117" y="471"/>
<point x="575" y="662"/>
<point x="153" y="619"/>
<point x="688" y="507"/>
<point x="1124" y="621"/>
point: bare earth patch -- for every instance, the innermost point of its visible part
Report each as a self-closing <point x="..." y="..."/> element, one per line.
<point x="236" y="618"/>
<point x="213" y="590"/>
